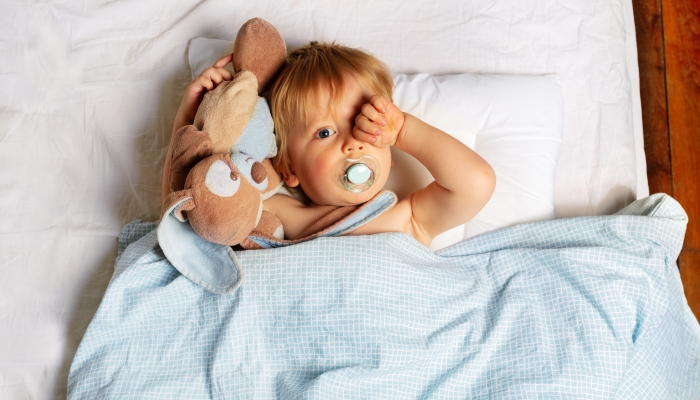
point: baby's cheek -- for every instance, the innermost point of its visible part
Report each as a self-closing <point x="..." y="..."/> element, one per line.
<point x="386" y="164"/>
<point x="323" y="167"/>
<point x="321" y="164"/>
<point x="316" y="173"/>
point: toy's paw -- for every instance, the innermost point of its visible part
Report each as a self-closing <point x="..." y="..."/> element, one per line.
<point x="269" y="226"/>
<point x="260" y="49"/>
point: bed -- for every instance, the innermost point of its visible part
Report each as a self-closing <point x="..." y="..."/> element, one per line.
<point x="90" y="92"/>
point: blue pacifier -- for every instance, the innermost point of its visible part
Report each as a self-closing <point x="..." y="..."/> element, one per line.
<point x="357" y="174"/>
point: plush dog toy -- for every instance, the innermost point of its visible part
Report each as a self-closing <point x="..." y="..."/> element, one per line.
<point x="220" y="167"/>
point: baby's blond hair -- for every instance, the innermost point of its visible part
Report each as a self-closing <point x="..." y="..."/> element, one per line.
<point x="309" y="69"/>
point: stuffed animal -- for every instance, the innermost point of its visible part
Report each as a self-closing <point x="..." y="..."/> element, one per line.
<point x="220" y="168"/>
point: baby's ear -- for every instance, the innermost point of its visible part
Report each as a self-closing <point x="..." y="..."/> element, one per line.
<point x="290" y="179"/>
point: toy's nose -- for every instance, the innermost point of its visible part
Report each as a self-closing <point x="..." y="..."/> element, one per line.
<point x="257" y="172"/>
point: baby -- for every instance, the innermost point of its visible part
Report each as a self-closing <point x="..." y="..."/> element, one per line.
<point x="332" y="109"/>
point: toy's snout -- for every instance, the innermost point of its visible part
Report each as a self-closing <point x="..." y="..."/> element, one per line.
<point x="227" y="206"/>
<point x="252" y="170"/>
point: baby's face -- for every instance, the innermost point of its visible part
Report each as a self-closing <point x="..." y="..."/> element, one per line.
<point x="316" y="149"/>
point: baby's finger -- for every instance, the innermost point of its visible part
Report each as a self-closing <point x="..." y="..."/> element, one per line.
<point x="213" y="74"/>
<point x="223" y="61"/>
<point x="363" y="136"/>
<point x="225" y="74"/>
<point x="204" y="82"/>
<point x="381" y="103"/>
<point x="372" y="114"/>
<point x="365" y="125"/>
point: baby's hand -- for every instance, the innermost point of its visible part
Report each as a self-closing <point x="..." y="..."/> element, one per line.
<point x="379" y="122"/>
<point x="207" y="81"/>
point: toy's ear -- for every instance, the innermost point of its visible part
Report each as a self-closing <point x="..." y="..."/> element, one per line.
<point x="212" y="266"/>
<point x="189" y="147"/>
<point x="260" y="49"/>
<point x="177" y="203"/>
<point x="225" y="111"/>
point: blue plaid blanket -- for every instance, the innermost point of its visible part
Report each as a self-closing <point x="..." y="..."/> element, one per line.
<point x="588" y="307"/>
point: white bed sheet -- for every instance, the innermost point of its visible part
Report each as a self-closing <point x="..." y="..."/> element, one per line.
<point x="89" y="90"/>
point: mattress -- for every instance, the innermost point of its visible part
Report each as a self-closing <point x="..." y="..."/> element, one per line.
<point x="90" y="90"/>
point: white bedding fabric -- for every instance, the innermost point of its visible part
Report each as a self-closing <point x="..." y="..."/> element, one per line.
<point x="89" y="91"/>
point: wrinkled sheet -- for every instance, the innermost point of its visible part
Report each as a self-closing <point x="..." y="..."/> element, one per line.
<point x="588" y="307"/>
<point x="89" y="91"/>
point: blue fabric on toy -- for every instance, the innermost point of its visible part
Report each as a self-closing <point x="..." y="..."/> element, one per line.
<point x="257" y="140"/>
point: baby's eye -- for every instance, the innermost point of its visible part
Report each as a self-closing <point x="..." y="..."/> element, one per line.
<point x="324" y="133"/>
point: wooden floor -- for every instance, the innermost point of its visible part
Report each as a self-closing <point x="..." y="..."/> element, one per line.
<point x="668" y="43"/>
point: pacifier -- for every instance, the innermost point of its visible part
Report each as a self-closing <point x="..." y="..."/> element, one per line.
<point x="357" y="174"/>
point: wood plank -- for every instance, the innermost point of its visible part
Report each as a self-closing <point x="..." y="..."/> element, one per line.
<point x="681" y="32"/>
<point x="652" y="76"/>
<point x="689" y="262"/>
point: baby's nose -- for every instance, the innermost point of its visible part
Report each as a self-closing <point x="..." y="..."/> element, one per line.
<point x="356" y="146"/>
<point x="352" y="144"/>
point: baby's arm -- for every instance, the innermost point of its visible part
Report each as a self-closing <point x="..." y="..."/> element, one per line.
<point x="464" y="181"/>
<point x="206" y="81"/>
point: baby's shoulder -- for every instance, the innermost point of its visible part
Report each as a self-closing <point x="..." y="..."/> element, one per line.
<point x="279" y="201"/>
<point x="295" y="215"/>
<point x="397" y="219"/>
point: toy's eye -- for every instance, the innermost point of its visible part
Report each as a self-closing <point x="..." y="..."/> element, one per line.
<point x="324" y="133"/>
<point x="221" y="180"/>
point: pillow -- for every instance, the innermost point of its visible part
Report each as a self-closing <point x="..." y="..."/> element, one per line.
<point x="515" y="122"/>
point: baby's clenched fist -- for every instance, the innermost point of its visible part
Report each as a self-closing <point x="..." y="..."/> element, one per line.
<point x="379" y="122"/>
